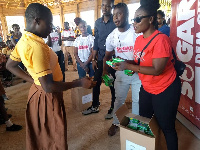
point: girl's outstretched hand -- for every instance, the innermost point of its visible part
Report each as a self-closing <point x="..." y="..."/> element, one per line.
<point x="88" y="82"/>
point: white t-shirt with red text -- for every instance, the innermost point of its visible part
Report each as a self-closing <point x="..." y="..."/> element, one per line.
<point x="122" y="43"/>
<point x="84" y="45"/>
<point x="68" y="33"/>
<point x="54" y="39"/>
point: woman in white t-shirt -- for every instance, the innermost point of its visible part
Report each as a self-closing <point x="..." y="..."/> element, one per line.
<point x="83" y="51"/>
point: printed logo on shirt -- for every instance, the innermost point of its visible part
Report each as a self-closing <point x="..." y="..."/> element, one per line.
<point x="53" y="39"/>
<point x="125" y="49"/>
<point x="83" y="47"/>
<point x="136" y="55"/>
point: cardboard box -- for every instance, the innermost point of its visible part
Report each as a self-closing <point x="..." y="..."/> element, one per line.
<point x="136" y="140"/>
<point x="81" y="98"/>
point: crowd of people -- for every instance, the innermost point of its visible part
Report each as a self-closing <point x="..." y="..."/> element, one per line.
<point x="7" y="77"/>
<point x="144" y="46"/>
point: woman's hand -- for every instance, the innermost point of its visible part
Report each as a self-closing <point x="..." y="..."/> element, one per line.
<point x="120" y="66"/>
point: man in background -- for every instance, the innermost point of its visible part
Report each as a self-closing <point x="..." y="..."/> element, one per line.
<point x="103" y="27"/>
<point x="68" y="36"/>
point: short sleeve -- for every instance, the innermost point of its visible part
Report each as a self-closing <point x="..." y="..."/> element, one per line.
<point x="73" y="33"/>
<point x="75" y="44"/>
<point x="109" y="46"/>
<point x="15" y="55"/>
<point x="162" y="47"/>
<point x="62" y="34"/>
<point x="41" y="60"/>
<point x="91" y="40"/>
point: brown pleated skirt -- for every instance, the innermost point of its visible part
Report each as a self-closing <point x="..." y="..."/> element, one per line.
<point x="46" y="125"/>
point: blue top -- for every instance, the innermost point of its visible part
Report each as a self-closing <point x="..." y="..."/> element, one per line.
<point x="101" y="31"/>
<point x="165" y="29"/>
<point x="15" y="38"/>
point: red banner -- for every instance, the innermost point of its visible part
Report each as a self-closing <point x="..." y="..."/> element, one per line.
<point x="185" y="37"/>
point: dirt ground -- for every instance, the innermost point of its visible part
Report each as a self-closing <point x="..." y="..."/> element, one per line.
<point x="84" y="132"/>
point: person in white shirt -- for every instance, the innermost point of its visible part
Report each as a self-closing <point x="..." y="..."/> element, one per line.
<point x="54" y="41"/>
<point x="121" y="42"/>
<point x="83" y="51"/>
<point x="68" y="36"/>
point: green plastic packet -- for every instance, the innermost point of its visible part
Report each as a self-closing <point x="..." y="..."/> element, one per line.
<point x="116" y="60"/>
<point x="128" y="72"/>
<point x="133" y="123"/>
<point x="109" y="63"/>
<point x="108" y="79"/>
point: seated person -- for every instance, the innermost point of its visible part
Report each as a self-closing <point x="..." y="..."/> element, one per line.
<point x="9" y="125"/>
<point x="7" y="75"/>
<point x="8" y="49"/>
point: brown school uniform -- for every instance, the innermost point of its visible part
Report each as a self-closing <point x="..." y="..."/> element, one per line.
<point x="46" y="125"/>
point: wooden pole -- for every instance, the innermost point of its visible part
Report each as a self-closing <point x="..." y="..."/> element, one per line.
<point x="77" y="10"/>
<point x="4" y="24"/>
<point x="61" y="17"/>
<point x="97" y="12"/>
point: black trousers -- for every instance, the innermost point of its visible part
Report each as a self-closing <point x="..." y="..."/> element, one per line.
<point x="96" y="89"/>
<point x="61" y="62"/>
<point x="164" y="106"/>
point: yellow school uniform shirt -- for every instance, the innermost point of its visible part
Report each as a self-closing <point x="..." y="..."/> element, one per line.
<point x="37" y="57"/>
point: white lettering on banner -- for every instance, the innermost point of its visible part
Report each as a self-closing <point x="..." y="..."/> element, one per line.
<point x="198" y="17"/>
<point x="197" y="58"/>
<point x="187" y="87"/>
<point x="184" y="75"/>
<point x="197" y="84"/>
<point x="197" y="49"/>
<point x="198" y="38"/>
<point x="190" y="113"/>
<point x="183" y="10"/>
<point x="185" y="47"/>
<point x="184" y="31"/>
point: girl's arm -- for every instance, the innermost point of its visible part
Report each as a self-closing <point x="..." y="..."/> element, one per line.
<point x="13" y="67"/>
<point x="89" y="58"/>
<point x="76" y="56"/>
<point x="51" y="86"/>
<point x="47" y="82"/>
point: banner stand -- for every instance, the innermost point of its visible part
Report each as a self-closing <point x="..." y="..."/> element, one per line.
<point x="188" y="125"/>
